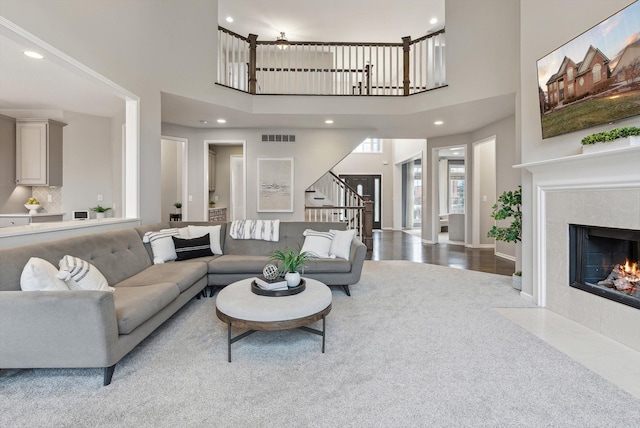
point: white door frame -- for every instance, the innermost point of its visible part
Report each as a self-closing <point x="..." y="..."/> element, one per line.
<point x="184" y="147"/>
<point x="205" y="157"/>
<point x="476" y="198"/>
<point x="435" y="189"/>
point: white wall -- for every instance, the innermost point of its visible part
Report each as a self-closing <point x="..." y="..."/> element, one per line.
<point x="484" y="196"/>
<point x="535" y="44"/>
<point x="87" y="165"/>
<point x="315" y="152"/>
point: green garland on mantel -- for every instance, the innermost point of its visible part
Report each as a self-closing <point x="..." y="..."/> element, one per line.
<point x="614" y="134"/>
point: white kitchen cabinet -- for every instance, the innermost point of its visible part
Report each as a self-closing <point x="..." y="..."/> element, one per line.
<point x="212" y="171"/>
<point x="38" y="152"/>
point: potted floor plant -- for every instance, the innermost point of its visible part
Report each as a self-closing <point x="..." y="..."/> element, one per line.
<point x="291" y="262"/>
<point x="508" y="206"/>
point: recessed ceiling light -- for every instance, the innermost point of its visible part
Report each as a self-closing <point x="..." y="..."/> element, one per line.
<point x="328" y="121"/>
<point x="32" y="54"/>
<point x="438" y="122"/>
<point x="221" y="121"/>
<point x="204" y="122"/>
<point x="456" y="153"/>
<point x="229" y="19"/>
<point x="457" y="148"/>
<point x="433" y="21"/>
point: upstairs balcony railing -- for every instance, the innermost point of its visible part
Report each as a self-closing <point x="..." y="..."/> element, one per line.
<point x="331" y="68"/>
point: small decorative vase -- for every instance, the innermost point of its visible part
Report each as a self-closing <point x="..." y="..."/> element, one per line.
<point x="292" y="278"/>
<point x="101" y="215"/>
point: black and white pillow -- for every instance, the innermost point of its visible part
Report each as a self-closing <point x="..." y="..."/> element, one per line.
<point x="317" y="244"/>
<point x="191" y="248"/>
<point x="79" y="274"/>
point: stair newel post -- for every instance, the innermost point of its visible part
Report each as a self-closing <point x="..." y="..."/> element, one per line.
<point x="253" y="79"/>
<point x="406" y="49"/>
<point x="367" y="229"/>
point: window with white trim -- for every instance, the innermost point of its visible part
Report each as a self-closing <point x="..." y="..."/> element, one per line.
<point x="370" y="145"/>
<point x="597" y="73"/>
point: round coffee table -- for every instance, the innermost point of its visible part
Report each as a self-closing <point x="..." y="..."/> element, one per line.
<point x="239" y="307"/>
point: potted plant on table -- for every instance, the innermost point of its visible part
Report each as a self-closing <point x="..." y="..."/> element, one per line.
<point x="508" y="206"/>
<point x="291" y="262"/>
<point x="101" y="212"/>
<point x="178" y="205"/>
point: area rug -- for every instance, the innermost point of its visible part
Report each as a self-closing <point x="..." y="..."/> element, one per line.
<point x="415" y="345"/>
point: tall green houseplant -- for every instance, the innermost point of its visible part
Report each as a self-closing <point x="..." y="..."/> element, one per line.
<point x="508" y="206"/>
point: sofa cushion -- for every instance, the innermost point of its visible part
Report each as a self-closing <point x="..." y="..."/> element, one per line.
<point x="191" y="248"/>
<point x="183" y="274"/>
<point x="237" y="263"/>
<point x="135" y="305"/>
<point x="337" y="265"/>
<point x="40" y="275"/>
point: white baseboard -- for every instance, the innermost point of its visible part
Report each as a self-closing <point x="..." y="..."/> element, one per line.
<point x="527" y="296"/>
<point x="506" y="256"/>
<point x="480" y="246"/>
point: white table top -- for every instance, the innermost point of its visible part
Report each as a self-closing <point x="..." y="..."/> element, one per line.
<point x="238" y="301"/>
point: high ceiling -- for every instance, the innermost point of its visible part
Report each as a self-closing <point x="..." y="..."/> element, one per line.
<point x="332" y="20"/>
<point x="27" y="84"/>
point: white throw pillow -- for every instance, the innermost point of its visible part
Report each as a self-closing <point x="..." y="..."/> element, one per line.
<point x="341" y="244"/>
<point x="162" y="245"/>
<point x="214" y="236"/>
<point x="40" y="275"/>
<point x="82" y="275"/>
<point x="317" y="244"/>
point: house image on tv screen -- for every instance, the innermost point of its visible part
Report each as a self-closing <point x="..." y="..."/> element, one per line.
<point x="594" y="78"/>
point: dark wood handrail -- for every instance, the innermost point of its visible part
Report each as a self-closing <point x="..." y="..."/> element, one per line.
<point x="428" y="36"/>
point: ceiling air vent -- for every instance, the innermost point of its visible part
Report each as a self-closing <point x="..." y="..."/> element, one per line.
<point x="278" y="138"/>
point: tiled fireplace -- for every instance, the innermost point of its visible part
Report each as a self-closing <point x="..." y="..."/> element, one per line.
<point x="595" y="197"/>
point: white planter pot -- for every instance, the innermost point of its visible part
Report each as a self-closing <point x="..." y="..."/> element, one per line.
<point x="292" y="278"/>
<point x="101" y="215"/>
<point x="517" y="281"/>
<point x="620" y="143"/>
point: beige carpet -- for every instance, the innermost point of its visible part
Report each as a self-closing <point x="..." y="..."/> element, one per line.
<point x="416" y="345"/>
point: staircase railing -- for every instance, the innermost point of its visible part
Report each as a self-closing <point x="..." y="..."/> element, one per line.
<point x="332" y="199"/>
<point x="331" y="68"/>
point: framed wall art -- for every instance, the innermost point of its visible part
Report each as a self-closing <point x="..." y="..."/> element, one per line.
<point x="275" y="185"/>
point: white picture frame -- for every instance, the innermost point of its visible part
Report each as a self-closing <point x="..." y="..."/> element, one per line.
<point x="275" y="185"/>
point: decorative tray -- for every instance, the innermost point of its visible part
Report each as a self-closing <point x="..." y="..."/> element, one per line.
<point x="278" y="293"/>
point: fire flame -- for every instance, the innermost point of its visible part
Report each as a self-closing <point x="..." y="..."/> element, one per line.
<point x="630" y="268"/>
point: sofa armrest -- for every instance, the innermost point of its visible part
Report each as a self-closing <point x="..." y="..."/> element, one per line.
<point x="57" y="329"/>
<point x="356" y="257"/>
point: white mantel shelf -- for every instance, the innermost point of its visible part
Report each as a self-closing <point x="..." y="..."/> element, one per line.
<point x="580" y="157"/>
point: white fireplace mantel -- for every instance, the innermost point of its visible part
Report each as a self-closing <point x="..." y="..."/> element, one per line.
<point x="595" y="189"/>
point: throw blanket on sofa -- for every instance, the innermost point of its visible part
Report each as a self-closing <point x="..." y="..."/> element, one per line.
<point x="265" y="230"/>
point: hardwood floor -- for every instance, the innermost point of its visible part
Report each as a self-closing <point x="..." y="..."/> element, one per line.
<point x="397" y="245"/>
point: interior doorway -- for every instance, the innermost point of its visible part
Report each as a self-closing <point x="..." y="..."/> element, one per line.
<point x="173" y="173"/>
<point x="225" y="177"/>
<point x="452" y="184"/>
<point x="368" y="185"/>
<point x="412" y="194"/>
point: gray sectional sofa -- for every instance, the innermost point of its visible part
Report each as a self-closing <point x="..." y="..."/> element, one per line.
<point x="78" y="328"/>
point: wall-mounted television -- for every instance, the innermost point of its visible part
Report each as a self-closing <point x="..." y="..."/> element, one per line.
<point x="594" y="78"/>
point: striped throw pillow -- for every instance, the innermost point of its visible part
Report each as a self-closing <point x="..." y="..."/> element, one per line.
<point x="191" y="248"/>
<point x="81" y="275"/>
<point x="317" y="244"/>
<point x="162" y="245"/>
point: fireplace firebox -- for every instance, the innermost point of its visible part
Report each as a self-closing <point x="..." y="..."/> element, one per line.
<point x="604" y="261"/>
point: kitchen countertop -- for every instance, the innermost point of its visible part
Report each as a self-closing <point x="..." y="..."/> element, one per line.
<point x="30" y="215"/>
